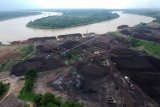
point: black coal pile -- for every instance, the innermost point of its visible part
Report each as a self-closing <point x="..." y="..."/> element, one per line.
<point x="85" y="80"/>
<point x="124" y="52"/>
<point x="126" y="32"/>
<point x="41" y="39"/>
<point x="120" y="40"/>
<point x="71" y="44"/>
<point x="83" y="76"/>
<point x="46" y="48"/>
<point x="74" y="35"/>
<point x="102" y="45"/>
<point x="122" y="27"/>
<point x="143" y="70"/>
<point x="40" y="64"/>
<point x="43" y="49"/>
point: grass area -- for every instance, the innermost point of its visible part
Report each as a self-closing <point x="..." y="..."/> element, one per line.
<point x="27" y="95"/>
<point x="148" y="46"/>
<point x="71" y="18"/>
<point x="27" y="50"/>
<point x="8" y="65"/>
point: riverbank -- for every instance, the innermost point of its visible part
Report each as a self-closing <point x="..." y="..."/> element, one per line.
<point x="21" y="32"/>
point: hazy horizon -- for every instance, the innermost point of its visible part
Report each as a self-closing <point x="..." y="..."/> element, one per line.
<point x="8" y="5"/>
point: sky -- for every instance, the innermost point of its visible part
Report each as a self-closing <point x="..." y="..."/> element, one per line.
<point x="6" y="5"/>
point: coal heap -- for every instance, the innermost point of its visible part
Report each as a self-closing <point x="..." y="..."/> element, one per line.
<point x="81" y="78"/>
<point x="40" y="64"/>
<point x="71" y="44"/>
<point x="143" y="70"/>
<point x="91" y="71"/>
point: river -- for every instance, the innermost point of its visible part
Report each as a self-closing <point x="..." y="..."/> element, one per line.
<point x="15" y="29"/>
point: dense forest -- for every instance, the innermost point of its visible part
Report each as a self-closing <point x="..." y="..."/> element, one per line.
<point x="72" y="18"/>
<point x="14" y="14"/>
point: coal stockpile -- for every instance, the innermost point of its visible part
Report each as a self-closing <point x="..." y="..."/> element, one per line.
<point x="42" y="49"/>
<point x="120" y="40"/>
<point x="126" y="32"/>
<point x="102" y="45"/>
<point x="40" y="64"/>
<point x="143" y="70"/>
<point x="71" y="44"/>
<point x="75" y="35"/>
<point x="149" y="82"/>
<point x="91" y="71"/>
<point x="145" y="33"/>
<point x="123" y="51"/>
<point x="83" y="78"/>
<point x="41" y="39"/>
<point x="122" y="27"/>
<point x="133" y="63"/>
<point x="83" y="82"/>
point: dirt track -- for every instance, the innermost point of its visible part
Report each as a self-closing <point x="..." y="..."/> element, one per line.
<point x="15" y="83"/>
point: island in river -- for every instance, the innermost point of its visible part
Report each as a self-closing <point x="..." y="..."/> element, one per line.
<point x="71" y="18"/>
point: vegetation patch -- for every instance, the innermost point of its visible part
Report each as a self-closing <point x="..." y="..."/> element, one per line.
<point x="26" y="93"/>
<point x="8" y="65"/>
<point x="150" y="47"/>
<point x="49" y="100"/>
<point x="3" y="89"/>
<point x="27" y="50"/>
<point x="71" y="18"/>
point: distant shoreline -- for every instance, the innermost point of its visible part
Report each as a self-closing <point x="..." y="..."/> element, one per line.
<point x="12" y="15"/>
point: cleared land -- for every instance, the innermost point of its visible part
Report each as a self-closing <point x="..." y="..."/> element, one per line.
<point x="8" y="52"/>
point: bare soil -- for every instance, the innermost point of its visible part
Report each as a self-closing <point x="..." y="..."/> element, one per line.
<point x="42" y="83"/>
<point x="8" y="52"/>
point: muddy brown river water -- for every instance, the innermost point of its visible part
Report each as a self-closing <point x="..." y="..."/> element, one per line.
<point x="15" y="29"/>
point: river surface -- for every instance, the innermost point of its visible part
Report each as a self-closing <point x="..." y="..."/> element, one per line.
<point x="15" y="29"/>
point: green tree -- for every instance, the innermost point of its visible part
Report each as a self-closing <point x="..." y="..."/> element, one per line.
<point x="71" y="104"/>
<point x="38" y="99"/>
<point x="2" y="88"/>
<point x="47" y="98"/>
<point x="30" y="78"/>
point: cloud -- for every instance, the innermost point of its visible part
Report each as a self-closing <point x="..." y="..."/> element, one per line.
<point x="28" y="4"/>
